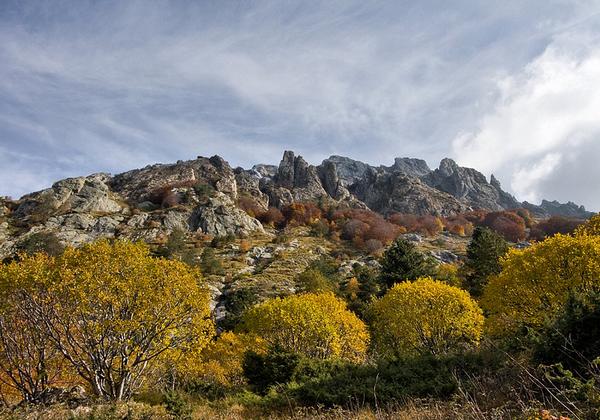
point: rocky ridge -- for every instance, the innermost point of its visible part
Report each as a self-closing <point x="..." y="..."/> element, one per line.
<point x="200" y="196"/>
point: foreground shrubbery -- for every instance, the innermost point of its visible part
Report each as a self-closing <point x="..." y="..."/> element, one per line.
<point x="124" y="324"/>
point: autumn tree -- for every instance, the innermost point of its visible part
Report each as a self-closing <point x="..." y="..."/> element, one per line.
<point x="424" y="317"/>
<point x="29" y="362"/>
<point x="591" y="227"/>
<point x="315" y="325"/>
<point x="116" y="310"/>
<point x="402" y="261"/>
<point x="535" y="282"/>
<point x="483" y="259"/>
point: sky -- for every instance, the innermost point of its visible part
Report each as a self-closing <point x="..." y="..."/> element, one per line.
<point x="510" y="88"/>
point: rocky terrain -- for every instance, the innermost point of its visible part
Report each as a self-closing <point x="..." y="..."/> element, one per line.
<point x="200" y="197"/>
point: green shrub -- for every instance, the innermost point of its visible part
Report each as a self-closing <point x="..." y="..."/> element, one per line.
<point x="177" y="405"/>
<point x="265" y="370"/>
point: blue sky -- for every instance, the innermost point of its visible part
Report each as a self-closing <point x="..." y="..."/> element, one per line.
<point x="510" y="88"/>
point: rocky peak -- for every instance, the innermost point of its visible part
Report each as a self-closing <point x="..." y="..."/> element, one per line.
<point x="348" y="170"/>
<point x="411" y="166"/>
<point x="469" y="185"/>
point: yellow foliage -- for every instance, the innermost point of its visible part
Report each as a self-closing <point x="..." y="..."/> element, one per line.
<point x="591" y="227"/>
<point x="448" y="273"/>
<point x="29" y="362"/>
<point x="113" y="310"/>
<point x="535" y="282"/>
<point x="352" y="288"/>
<point x="315" y="324"/>
<point x="424" y="316"/>
<point x="222" y="360"/>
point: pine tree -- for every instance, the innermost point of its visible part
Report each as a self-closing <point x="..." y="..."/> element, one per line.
<point x="483" y="259"/>
<point x="402" y="261"/>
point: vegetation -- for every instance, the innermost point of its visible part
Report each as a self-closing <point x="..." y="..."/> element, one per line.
<point x="332" y="332"/>
<point x="425" y="317"/>
<point x="535" y="282"/>
<point x="402" y="261"/>
<point x="110" y="310"/>
<point x="315" y="325"/>
<point x="483" y="259"/>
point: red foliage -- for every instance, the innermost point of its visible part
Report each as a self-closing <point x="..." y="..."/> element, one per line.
<point x="301" y="214"/>
<point x="458" y="225"/>
<point x="426" y="225"/>
<point x="250" y="206"/>
<point x="271" y="217"/>
<point x="554" y="225"/>
<point x="506" y="223"/>
<point x="362" y="226"/>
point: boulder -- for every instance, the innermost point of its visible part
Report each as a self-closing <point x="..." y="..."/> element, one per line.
<point x="220" y="217"/>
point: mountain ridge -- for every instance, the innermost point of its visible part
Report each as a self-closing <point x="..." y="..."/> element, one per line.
<point x="202" y="195"/>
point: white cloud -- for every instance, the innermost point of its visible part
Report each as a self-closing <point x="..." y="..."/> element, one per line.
<point x="550" y="109"/>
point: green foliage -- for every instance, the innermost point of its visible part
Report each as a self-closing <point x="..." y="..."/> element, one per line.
<point x="312" y="280"/>
<point x="236" y="303"/>
<point x="221" y="241"/>
<point x="483" y="259"/>
<point x="265" y="370"/>
<point x="204" y="191"/>
<point x="177" y="405"/>
<point x="368" y="288"/>
<point x="573" y="337"/>
<point x="347" y="384"/>
<point x="209" y="263"/>
<point x="46" y="242"/>
<point x="175" y="248"/>
<point x="402" y="261"/>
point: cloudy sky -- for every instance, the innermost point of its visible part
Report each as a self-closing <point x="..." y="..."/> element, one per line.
<point x="509" y="89"/>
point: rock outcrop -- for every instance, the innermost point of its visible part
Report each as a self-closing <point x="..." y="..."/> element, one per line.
<point x="202" y="195"/>
<point x="397" y="192"/>
<point x="470" y="186"/>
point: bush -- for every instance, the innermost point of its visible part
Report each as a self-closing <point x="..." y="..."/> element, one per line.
<point x="312" y="280"/>
<point x="250" y="206"/>
<point x="236" y="303"/>
<point x="209" y="263"/>
<point x="315" y="325"/>
<point x="272" y="217"/>
<point x="507" y="224"/>
<point x="573" y="337"/>
<point x="536" y="282"/>
<point x="301" y="214"/>
<point x="425" y="316"/>
<point x="331" y="383"/>
<point x="554" y="225"/>
<point x="46" y="242"/>
<point x="265" y="370"/>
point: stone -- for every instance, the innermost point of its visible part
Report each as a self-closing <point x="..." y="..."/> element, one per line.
<point x="220" y="217"/>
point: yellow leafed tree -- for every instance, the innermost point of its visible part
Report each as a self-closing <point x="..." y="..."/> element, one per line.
<point x="535" y="282"/>
<point x="316" y="325"/>
<point x="29" y="362"/>
<point x="424" y="316"/>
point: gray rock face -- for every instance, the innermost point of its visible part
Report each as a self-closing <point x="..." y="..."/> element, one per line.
<point x="349" y="171"/>
<point x="297" y="176"/>
<point x="263" y="170"/>
<point x="331" y="181"/>
<point x="73" y="195"/>
<point x="397" y="192"/>
<point x="409" y="166"/>
<point x="141" y="184"/>
<point x="220" y="217"/>
<point x="554" y="208"/>
<point x="248" y="184"/>
<point x="470" y="186"/>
